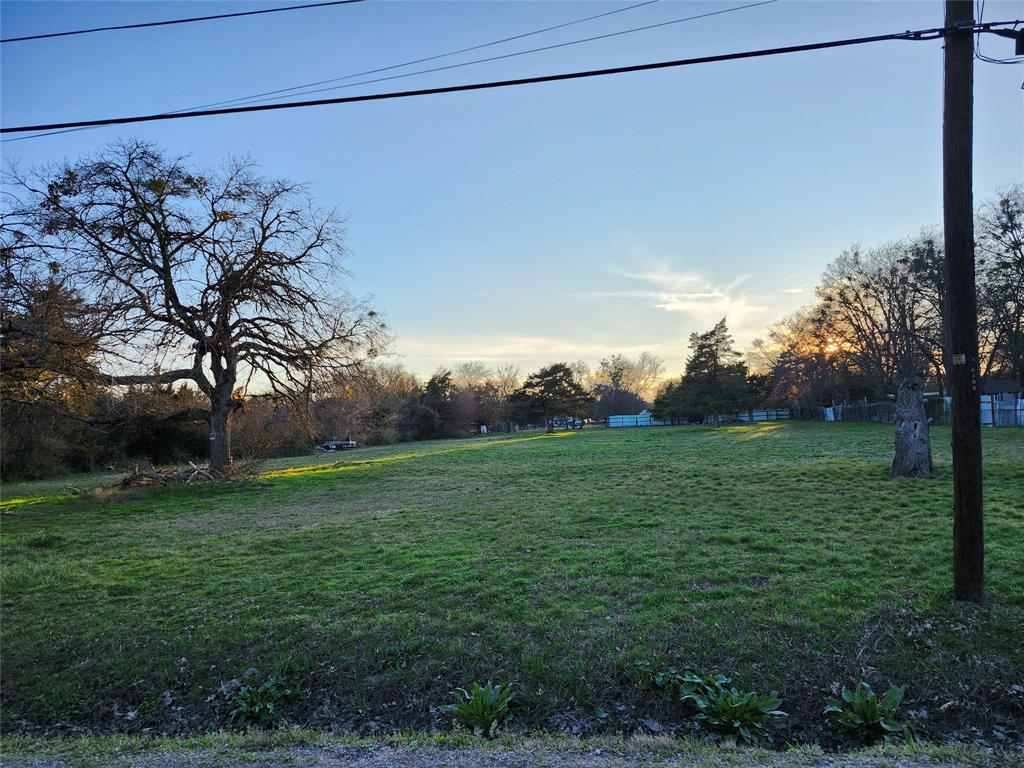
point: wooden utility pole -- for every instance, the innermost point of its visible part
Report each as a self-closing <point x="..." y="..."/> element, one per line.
<point x="961" y="300"/>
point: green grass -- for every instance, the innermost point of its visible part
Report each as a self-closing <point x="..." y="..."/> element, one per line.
<point x="784" y="554"/>
<point x="296" y="746"/>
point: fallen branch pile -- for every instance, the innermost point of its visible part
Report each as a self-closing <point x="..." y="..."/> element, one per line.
<point x="138" y="476"/>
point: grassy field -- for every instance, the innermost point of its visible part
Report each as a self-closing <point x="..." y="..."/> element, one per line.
<point x="302" y="748"/>
<point x="784" y="554"/>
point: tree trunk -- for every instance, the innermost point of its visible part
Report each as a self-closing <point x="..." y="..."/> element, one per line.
<point x="220" y="432"/>
<point x="913" y="445"/>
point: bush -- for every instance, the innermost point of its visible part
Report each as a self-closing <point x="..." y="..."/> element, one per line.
<point x="744" y="716"/>
<point x="863" y="711"/>
<point x="482" y="708"/>
<point x="260" y="704"/>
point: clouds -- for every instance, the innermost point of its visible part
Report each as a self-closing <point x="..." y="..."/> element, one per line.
<point x="652" y="306"/>
<point x="510" y="348"/>
<point x="702" y="300"/>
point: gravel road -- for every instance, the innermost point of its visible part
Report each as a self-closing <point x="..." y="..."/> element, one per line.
<point x="538" y="756"/>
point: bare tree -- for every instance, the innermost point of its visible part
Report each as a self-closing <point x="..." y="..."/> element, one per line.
<point x="507" y="379"/>
<point x="370" y="404"/>
<point x="888" y="326"/>
<point x="1000" y="229"/>
<point x="470" y="374"/>
<point x="805" y="365"/>
<point x="227" y="280"/>
<point x="879" y="315"/>
<point x="581" y="371"/>
<point x="648" y="369"/>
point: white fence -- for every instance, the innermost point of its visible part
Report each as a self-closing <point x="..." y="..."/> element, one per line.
<point x="768" y="414"/>
<point x="996" y="411"/>
<point x="642" y="420"/>
<point x="999" y="411"/>
<point x="646" y="420"/>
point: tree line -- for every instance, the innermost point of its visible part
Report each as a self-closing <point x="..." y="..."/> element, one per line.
<point x="877" y="317"/>
<point x="87" y="428"/>
<point x="876" y="322"/>
<point x="158" y="310"/>
<point x="152" y="309"/>
<point x="875" y="331"/>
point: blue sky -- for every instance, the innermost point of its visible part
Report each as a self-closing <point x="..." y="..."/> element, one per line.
<point x="557" y="221"/>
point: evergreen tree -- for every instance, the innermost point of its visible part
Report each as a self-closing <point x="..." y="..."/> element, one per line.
<point x="715" y="381"/>
<point x="435" y="419"/>
<point x="551" y="392"/>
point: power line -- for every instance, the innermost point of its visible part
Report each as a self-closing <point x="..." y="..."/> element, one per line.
<point x="168" y="22"/>
<point x="979" y="22"/>
<point x="253" y="100"/>
<point x="917" y="35"/>
<point x="921" y="34"/>
<point x="428" y="58"/>
<point x="253" y="97"/>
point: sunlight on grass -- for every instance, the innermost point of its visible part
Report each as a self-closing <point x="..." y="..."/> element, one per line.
<point x="7" y="506"/>
<point x="784" y="554"/>
<point x="345" y="466"/>
<point x="751" y="431"/>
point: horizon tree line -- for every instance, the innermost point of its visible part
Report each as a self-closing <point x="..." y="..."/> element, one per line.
<point x="141" y="297"/>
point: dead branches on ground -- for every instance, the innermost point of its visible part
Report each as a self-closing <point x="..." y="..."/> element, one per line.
<point x="140" y="475"/>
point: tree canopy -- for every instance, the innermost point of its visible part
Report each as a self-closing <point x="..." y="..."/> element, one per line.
<point x="715" y="381"/>
<point x="551" y="392"/>
<point x="220" y="278"/>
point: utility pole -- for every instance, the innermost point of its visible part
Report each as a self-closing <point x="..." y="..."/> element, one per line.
<point x="961" y="300"/>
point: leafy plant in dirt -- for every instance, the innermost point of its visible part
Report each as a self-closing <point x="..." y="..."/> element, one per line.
<point x="865" y="712"/>
<point x="693" y="682"/>
<point x="649" y="676"/>
<point x="260" y="704"/>
<point x="147" y="705"/>
<point x="741" y="715"/>
<point x="643" y="671"/>
<point x="482" y="708"/>
<point x="670" y="678"/>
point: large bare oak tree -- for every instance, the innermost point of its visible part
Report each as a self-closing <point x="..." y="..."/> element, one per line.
<point x="227" y="279"/>
<point x="881" y="319"/>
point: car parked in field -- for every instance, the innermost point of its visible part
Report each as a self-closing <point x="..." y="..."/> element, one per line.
<point x="337" y="445"/>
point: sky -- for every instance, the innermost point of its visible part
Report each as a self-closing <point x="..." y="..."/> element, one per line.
<point x="560" y="221"/>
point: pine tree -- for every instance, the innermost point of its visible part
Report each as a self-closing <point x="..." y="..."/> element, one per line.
<point x="551" y="392"/>
<point x="715" y="381"/>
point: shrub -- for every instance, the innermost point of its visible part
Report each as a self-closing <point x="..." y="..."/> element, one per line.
<point x="260" y="704"/>
<point x="863" y="711"/>
<point x="482" y="708"/>
<point x="744" y="716"/>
